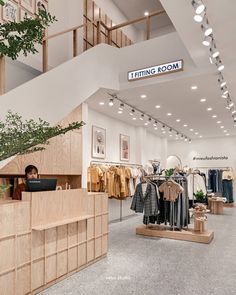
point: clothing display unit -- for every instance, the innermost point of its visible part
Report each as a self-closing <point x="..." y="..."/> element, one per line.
<point x="118" y="180"/>
<point x="164" y="200"/>
<point x="219" y="180"/>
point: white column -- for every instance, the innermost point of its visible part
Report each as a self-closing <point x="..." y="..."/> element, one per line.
<point x="86" y="150"/>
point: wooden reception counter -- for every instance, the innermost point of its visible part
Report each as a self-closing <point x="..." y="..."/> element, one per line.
<point x="48" y="236"/>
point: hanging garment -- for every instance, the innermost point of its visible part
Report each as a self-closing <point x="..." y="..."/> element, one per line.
<point x="94" y="176"/>
<point x="228" y="190"/>
<point x="195" y="183"/>
<point x="212" y="180"/>
<point x="171" y="190"/>
<point x="145" y="201"/>
<point x="227" y="175"/>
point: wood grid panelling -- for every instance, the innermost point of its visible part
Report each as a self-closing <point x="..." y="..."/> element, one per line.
<point x="92" y="13"/>
<point x="33" y="259"/>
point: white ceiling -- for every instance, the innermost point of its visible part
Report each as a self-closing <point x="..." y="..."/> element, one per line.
<point x="175" y="95"/>
<point x="133" y="9"/>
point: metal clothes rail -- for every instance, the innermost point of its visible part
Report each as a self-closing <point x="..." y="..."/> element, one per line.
<point x="174" y="177"/>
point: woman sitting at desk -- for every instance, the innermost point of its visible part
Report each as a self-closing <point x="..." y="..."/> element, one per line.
<point x="31" y="172"/>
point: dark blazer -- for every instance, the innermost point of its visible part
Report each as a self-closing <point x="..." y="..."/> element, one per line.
<point x="145" y="202"/>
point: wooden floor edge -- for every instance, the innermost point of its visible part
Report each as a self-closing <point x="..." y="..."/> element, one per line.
<point x="189" y="235"/>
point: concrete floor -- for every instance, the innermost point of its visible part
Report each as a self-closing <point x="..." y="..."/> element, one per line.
<point x="140" y="265"/>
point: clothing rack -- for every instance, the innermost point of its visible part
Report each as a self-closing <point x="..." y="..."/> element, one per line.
<point x="113" y="164"/>
<point x="174" y="177"/>
<point x="209" y="168"/>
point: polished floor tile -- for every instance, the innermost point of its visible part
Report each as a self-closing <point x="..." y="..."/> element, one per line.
<point x="142" y="265"/>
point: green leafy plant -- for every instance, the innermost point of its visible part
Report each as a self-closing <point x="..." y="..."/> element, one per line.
<point x="21" y="37"/>
<point x="18" y="137"/>
<point x="169" y="172"/>
<point x="200" y="197"/>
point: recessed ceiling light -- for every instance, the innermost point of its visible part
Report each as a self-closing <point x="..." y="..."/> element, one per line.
<point x="224" y="96"/>
<point x="200" y="136"/>
<point x="143" y="96"/>
<point x="225" y="131"/>
<point x="178" y="120"/>
<point x="101" y="103"/>
<point x="214" y="116"/>
<point x="155" y="128"/>
<point x="196" y="133"/>
<point x="202" y="100"/>
<point x="120" y="112"/>
<point x="157" y="106"/>
<point x="209" y="109"/>
<point x="134" y="118"/>
<point x="163" y="132"/>
<point x="222" y="127"/>
<point x="218" y="122"/>
<point x="194" y="87"/>
<point x="146" y="123"/>
<point x="146" y="13"/>
<point x="191" y="130"/>
<point x="227" y="134"/>
<point x="170" y="135"/>
<point x="231" y="104"/>
<point x="111" y="102"/>
<point x="185" y="125"/>
<point x="169" y="114"/>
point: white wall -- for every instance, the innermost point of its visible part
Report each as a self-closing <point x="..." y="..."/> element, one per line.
<point x="18" y="73"/>
<point x="140" y="151"/>
<point x="117" y="18"/>
<point x="216" y="147"/>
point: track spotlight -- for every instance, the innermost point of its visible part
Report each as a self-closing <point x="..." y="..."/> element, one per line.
<point x="219" y="64"/>
<point x="206" y="28"/>
<point x="121" y="108"/>
<point x="163" y="127"/>
<point x="190" y="141"/>
<point x="214" y="51"/>
<point x="198" y="6"/>
<point x="111" y="102"/>
<point x="207" y="40"/>
<point x="142" y="117"/>
<point x="132" y="112"/>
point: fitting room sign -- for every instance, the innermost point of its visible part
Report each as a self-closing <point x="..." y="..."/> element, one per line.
<point x="167" y="68"/>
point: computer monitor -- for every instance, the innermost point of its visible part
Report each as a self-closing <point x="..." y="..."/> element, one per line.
<point x="39" y="184"/>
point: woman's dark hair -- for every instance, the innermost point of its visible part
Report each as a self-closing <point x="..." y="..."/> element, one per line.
<point x="30" y="168"/>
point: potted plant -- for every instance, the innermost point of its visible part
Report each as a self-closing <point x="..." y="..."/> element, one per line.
<point x="200" y="196"/>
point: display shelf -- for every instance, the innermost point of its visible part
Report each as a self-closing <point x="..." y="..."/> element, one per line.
<point x="61" y="222"/>
<point x="183" y="235"/>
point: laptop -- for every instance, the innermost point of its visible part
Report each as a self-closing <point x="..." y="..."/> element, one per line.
<point x="39" y="184"/>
